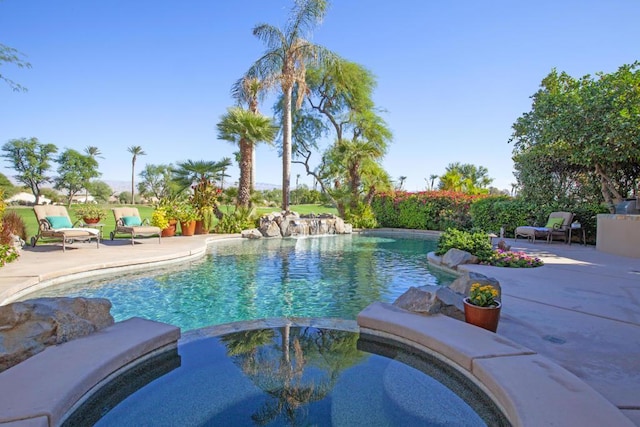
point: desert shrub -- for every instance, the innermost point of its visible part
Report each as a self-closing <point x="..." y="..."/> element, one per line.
<point x="8" y="252"/>
<point x="12" y="223"/>
<point x="476" y="243"/>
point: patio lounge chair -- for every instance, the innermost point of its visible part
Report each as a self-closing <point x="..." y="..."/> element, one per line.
<point x="54" y="223"/>
<point x="557" y="226"/>
<point x="128" y="221"/>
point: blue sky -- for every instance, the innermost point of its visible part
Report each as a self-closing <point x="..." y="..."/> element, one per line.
<point x="452" y="76"/>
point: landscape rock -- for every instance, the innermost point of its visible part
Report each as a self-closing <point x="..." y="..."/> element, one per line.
<point x="455" y="257"/>
<point x="252" y="233"/>
<point x="432" y="300"/>
<point x="463" y="283"/>
<point x="28" y="327"/>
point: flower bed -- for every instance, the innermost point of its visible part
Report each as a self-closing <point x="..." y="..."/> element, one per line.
<point x="501" y="258"/>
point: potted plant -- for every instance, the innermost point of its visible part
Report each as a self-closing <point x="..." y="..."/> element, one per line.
<point x="482" y="308"/>
<point x="187" y="216"/>
<point x="204" y="199"/>
<point x="160" y="219"/>
<point x="90" y="214"/>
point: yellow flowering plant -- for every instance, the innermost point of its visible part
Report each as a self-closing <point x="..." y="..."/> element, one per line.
<point x="483" y="295"/>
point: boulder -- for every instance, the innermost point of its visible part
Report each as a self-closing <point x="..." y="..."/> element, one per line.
<point x="30" y="326"/>
<point x="432" y="300"/>
<point x="270" y="229"/>
<point x="463" y="283"/>
<point x="252" y="233"/>
<point x="455" y="257"/>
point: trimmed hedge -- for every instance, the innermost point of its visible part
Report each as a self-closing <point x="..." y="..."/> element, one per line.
<point x="428" y="210"/>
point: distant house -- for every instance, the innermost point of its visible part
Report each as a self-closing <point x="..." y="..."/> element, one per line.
<point x="26" y="199"/>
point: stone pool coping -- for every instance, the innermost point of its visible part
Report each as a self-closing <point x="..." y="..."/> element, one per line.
<point x="42" y="390"/>
<point x="44" y="266"/>
<point x="528" y="388"/>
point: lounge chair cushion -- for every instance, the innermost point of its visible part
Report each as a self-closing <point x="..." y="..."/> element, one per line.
<point x="59" y="222"/>
<point x="131" y="221"/>
<point x="554" y="223"/>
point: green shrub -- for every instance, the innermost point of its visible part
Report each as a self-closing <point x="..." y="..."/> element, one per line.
<point x="476" y="243"/>
<point x="236" y="221"/>
<point x="362" y="218"/>
<point x="492" y="213"/>
<point x="428" y="210"/>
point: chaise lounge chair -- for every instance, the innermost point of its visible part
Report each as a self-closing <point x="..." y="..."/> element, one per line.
<point x="128" y="221"/>
<point x="557" y="225"/>
<point x="54" y="223"/>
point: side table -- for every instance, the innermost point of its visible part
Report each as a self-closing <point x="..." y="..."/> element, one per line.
<point x="97" y="225"/>
<point x="576" y="229"/>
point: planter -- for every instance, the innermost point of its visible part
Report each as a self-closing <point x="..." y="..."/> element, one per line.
<point x="170" y="231"/>
<point x="484" y="317"/>
<point x="188" y="228"/>
<point x="200" y="228"/>
<point x="91" y="220"/>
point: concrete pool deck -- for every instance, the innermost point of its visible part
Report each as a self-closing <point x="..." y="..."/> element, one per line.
<point x="581" y="310"/>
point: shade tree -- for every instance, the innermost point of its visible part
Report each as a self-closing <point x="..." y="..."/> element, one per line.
<point x="75" y="171"/>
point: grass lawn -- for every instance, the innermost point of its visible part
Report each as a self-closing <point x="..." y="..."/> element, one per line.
<point x="29" y="218"/>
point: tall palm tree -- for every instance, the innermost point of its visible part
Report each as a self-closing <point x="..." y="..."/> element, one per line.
<point x="136" y="151"/>
<point x="288" y="53"/>
<point x="251" y="90"/>
<point x="93" y="152"/>
<point x="246" y="129"/>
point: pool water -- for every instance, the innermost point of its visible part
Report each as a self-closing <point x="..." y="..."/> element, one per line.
<point x="293" y="376"/>
<point x="332" y="276"/>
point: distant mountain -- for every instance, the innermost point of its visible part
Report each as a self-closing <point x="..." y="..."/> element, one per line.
<point x="120" y="186"/>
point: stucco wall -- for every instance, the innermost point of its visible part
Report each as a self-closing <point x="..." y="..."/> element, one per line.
<point x="619" y="234"/>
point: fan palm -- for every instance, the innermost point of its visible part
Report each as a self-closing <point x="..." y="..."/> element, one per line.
<point x="136" y="151"/>
<point x="246" y="129"/>
<point x="285" y="61"/>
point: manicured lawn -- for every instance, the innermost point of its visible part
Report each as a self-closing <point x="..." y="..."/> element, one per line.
<point x="26" y="212"/>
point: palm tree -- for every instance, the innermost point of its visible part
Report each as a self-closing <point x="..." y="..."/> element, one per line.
<point x="190" y="172"/>
<point x="288" y="53"/>
<point x="93" y="152"/>
<point x="251" y="90"/>
<point x="136" y="151"/>
<point x="402" y="179"/>
<point x="246" y="129"/>
<point x="432" y="179"/>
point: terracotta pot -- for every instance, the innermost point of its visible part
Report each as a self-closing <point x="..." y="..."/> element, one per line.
<point x="91" y="220"/>
<point x="484" y="317"/>
<point x="188" y="228"/>
<point x="200" y="228"/>
<point x="171" y="229"/>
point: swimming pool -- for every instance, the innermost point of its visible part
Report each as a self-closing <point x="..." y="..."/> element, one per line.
<point x="332" y="276"/>
<point x="290" y="376"/>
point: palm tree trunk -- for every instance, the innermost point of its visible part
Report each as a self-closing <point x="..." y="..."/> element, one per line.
<point x="286" y="148"/>
<point x="133" y="167"/>
<point x="244" y="191"/>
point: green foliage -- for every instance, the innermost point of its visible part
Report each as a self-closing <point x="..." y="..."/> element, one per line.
<point x="491" y="213"/>
<point x="90" y="210"/>
<point x="157" y="182"/>
<point x="362" y="217"/>
<point x="236" y="221"/>
<point x="100" y="190"/>
<point x="476" y="243"/>
<point x="429" y="210"/>
<point x="75" y="171"/>
<point x="159" y="218"/>
<point x="31" y="159"/>
<point x="465" y="178"/>
<point x="10" y="55"/>
<point x="580" y="138"/>
<point x="7" y="187"/>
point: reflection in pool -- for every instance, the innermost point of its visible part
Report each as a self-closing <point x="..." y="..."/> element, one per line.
<point x="294" y="376"/>
<point x="334" y="276"/>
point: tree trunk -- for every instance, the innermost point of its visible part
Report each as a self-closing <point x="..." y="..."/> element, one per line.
<point x="286" y="148"/>
<point x="244" y="190"/>
<point x="133" y="168"/>
<point x="611" y="196"/>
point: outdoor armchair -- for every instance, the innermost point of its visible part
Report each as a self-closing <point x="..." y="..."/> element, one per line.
<point x="128" y="221"/>
<point x="54" y="223"/>
<point x="557" y="226"/>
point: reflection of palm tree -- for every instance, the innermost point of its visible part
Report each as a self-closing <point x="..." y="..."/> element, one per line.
<point x="279" y="370"/>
